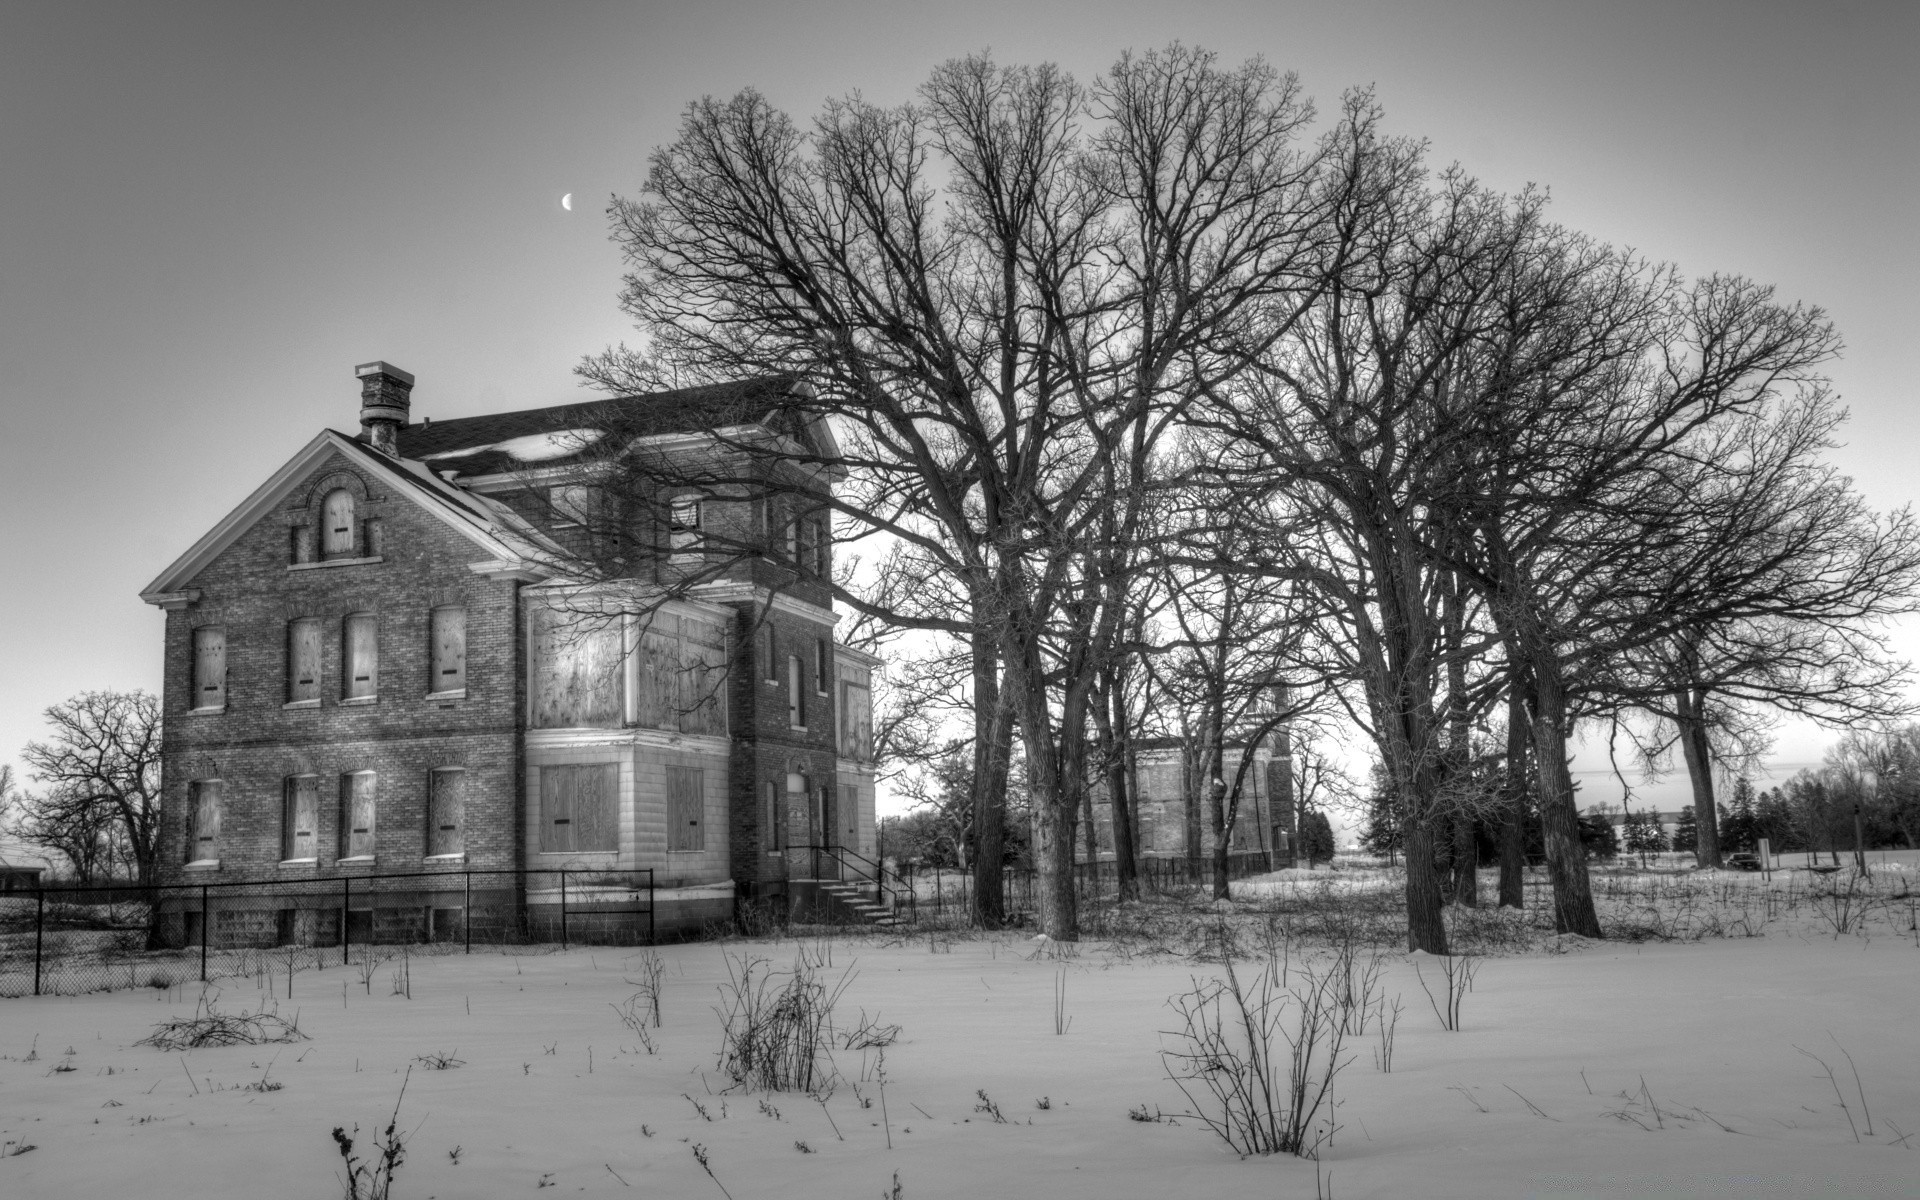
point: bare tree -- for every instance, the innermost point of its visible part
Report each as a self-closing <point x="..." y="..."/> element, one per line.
<point x="101" y="768"/>
<point x="997" y="341"/>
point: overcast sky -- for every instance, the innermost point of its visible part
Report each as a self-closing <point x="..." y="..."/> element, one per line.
<point x="210" y="212"/>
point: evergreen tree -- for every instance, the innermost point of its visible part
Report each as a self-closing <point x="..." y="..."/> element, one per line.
<point x="1381" y="833"/>
<point x="1316" y="837"/>
<point x="1597" y="835"/>
<point x="1686" y="831"/>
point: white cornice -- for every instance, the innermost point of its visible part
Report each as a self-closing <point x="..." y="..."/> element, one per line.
<point x="732" y="592"/>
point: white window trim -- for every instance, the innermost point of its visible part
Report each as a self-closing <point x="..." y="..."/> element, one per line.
<point x="357" y="701"/>
<point x="204" y="864"/>
<point x="455" y="694"/>
<point x="292" y="704"/>
<point x="354" y="860"/>
<point x="461" y="856"/>
<point x="298" y="862"/>
<point x="200" y="712"/>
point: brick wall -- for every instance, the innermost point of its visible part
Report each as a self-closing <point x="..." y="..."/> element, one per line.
<point x="257" y="741"/>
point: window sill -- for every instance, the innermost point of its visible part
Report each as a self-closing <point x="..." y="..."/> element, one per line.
<point x="359" y="701"/>
<point x="358" y="860"/>
<point x="797" y="729"/>
<point x="299" y="862"/>
<point x="457" y="694"/>
<point x="204" y="864"/>
<point x="671" y="853"/>
<point x="292" y="704"/>
<point x="208" y="711"/>
<point x="445" y="858"/>
<point x="334" y="562"/>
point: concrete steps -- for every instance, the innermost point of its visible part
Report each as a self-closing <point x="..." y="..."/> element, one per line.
<point x="857" y="901"/>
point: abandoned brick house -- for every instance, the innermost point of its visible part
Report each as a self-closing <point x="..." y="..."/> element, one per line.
<point x="376" y="665"/>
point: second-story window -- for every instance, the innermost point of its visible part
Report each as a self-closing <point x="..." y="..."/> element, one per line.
<point x="449" y="635"/>
<point x="209" y="667"/>
<point x="361" y="657"/>
<point x="822" y="665"/>
<point x="822" y="544"/>
<point x="796" y="709"/>
<point x="336" y="524"/>
<point x="303" y="660"/>
<point x="683" y="529"/>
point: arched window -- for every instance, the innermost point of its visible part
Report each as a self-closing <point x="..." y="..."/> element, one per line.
<point x="336" y="524"/>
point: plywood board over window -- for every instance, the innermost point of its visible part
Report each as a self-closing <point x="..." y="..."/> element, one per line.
<point x="680" y="676"/>
<point x="579" y="808"/>
<point x="361" y="658"/>
<point x="337" y="524"/>
<point x="357" y="815"/>
<point x="210" y="667"/>
<point x="447" y="812"/>
<point x="303" y="660"/>
<point x="300" y="825"/>
<point x="449" y="636"/>
<point x="203" y="815"/>
<point x="686" y="809"/>
<point x="577" y="665"/>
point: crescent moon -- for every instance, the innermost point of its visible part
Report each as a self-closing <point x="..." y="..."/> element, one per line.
<point x="566" y="202"/>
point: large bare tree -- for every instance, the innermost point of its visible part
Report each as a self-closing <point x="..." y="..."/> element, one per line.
<point x="1000" y="294"/>
<point x="101" y="769"/>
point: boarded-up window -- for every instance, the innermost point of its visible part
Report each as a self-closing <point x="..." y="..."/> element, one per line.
<point x="356" y="815"/>
<point x="796" y="710"/>
<point x="303" y="659"/>
<point x="686" y="809"/>
<point x="792" y="540"/>
<point x="577" y="669"/>
<point x="849" y="816"/>
<point x="300" y="817"/>
<point x="210" y="667"/>
<point x="822" y="664"/>
<point x="822" y="547"/>
<point x="856" y="722"/>
<point x="361" y="657"/>
<point x="804" y="555"/>
<point x="449" y="634"/>
<point x="683" y="528"/>
<point x="301" y="549"/>
<point x="770" y="664"/>
<point x="447" y="812"/>
<point x="572" y="503"/>
<point x="776" y="819"/>
<point x="203" y="820"/>
<point x="579" y="808"/>
<point x="336" y="524"/>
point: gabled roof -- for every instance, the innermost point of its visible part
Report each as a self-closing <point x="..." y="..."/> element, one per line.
<point x="495" y="530"/>
<point x="560" y="435"/>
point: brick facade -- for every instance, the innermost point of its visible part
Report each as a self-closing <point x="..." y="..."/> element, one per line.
<point x="417" y="544"/>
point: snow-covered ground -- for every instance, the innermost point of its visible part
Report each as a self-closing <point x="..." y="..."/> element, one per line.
<point x="1614" y="1069"/>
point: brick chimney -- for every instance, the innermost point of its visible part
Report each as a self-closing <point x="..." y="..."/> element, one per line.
<point x="385" y="400"/>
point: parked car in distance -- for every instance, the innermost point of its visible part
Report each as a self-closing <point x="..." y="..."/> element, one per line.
<point x="1742" y="862"/>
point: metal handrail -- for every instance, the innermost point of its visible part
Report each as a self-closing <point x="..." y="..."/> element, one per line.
<point x="886" y="897"/>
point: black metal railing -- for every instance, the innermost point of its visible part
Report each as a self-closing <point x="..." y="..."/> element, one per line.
<point x="64" y="939"/>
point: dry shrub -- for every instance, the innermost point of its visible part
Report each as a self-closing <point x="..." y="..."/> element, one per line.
<point x="208" y="1026"/>
<point x="777" y="1026"/>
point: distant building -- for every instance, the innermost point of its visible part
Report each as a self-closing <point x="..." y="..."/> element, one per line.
<point x="375" y="665"/>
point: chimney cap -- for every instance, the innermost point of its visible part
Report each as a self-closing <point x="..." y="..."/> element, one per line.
<point x="383" y="368"/>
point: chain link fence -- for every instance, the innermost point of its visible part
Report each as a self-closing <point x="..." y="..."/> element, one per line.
<point x="63" y="940"/>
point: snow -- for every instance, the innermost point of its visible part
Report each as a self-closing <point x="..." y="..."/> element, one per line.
<point x="554" y="1088"/>
<point x="534" y="447"/>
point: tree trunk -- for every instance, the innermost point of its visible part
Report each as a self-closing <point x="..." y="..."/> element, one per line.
<point x="1114" y="755"/>
<point x="1699" y="755"/>
<point x="1466" y="863"/>
<point x="1426" y="930"/>
<point x="992" y="744"/>
<point x="1222" y="835"/>
<point x="1573" y="910"/>
<point x="1513" y="828"/>
<point x="1281" y="793"/>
